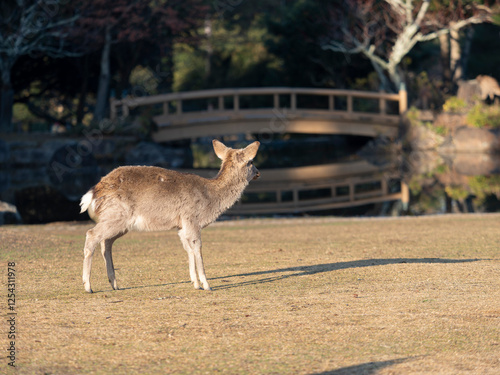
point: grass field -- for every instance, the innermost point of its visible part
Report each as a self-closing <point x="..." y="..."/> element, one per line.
<point x="291" y="296"/>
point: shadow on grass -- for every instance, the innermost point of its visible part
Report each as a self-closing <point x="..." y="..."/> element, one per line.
<point x="152" y="285"/>
<point x="284" y="273"/>
<point x="364" y="368"/>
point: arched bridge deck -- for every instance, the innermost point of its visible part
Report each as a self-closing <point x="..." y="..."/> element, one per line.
<point x="269" y="110"/>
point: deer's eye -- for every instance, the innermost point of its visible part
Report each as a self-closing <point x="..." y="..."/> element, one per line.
<point x="250" y="163"/>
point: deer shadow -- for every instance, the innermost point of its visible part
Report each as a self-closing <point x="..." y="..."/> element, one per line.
<point x="365" y="368"/>
<point x="285" y="273"/>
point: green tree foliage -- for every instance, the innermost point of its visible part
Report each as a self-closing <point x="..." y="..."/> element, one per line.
<point x="165" y="45"/>
<point x="232" y="55"/>
<point x="293" y="37"/>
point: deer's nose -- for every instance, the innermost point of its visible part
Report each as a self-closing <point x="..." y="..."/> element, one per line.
<point x="257" y="175"/>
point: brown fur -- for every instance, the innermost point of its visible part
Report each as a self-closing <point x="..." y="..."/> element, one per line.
<point x="153" y="198"/>
<point x="488" y="86"/>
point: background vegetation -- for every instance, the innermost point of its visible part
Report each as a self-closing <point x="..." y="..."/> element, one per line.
<point x="62" y="61"/>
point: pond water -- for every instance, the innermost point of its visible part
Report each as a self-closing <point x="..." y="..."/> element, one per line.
<point x="301" y="175"/>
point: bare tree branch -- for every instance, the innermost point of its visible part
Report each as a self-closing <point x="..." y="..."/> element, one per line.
<point x="29" y="27"/>
<point x="404" y="10"/>
<point x="386" y="51"/>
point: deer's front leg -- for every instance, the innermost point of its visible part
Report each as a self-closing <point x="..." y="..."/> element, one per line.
<point x="199" y="263"/>
<point x="191" y="240"/>
<point x="191" y="257"/>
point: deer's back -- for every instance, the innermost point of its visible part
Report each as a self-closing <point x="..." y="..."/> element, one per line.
<point x="150" y="198"/>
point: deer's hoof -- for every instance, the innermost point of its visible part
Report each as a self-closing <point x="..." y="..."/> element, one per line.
<point x="87" y="287"/>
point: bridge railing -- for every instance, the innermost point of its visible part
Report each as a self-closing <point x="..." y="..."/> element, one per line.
<point x="184" y="107"/>
<point x="316" y="196"/>
<point x="315" y="188"/>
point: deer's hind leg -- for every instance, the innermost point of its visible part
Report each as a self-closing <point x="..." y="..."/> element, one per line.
<point x="99" y="233"/>
<point x="107" y="253"/>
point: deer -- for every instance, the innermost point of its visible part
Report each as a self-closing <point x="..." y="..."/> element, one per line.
<point x="489" y="88"/>
<point x="149" y="198"/>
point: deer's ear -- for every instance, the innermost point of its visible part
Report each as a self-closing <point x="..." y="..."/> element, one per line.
<point x="251" y="150"/>
<point x="220" y="149"/>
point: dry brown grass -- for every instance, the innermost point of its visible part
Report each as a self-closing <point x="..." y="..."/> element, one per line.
<point x="297" y="296"/>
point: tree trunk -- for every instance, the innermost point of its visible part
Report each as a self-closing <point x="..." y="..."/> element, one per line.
<point x="384" y="83"/>
<point x="104" y="78"/>
<point x="455" y="54"/>
<point x="83" y="90"/>
<point x="127" y="61"/>
<point x="166" y="71"/>
<point x="6" y="102"/>
<point x="210" y="49"/>
<point x="469" y="34"/>
<point x="444" y="45"/>
<point x="395" y="77"/>
<point x="6" y="98"/>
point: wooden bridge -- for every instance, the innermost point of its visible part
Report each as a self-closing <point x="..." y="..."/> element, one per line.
<point x="268" y="110"/>
<point x="264" y="111"/>
<point x="316" y="188"/>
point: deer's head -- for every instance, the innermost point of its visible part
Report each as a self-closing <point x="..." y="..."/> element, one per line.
<point x="239" y="161"/>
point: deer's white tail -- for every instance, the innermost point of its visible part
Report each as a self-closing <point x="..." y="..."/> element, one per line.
<point x="86" y="201"/>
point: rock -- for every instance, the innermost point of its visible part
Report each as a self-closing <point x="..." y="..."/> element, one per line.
<point x="9" y="214"/>
<point x="106" y="149"/>
<point x="447" y="147"/>
<point x="476" y="164"/>
<point x="32" y="152"/>
<point x="476" y="140"/>
<point x="420" y="138"/>
<point x="381" y="151"/>
<point x="450" y="121"/>
<point x="421" y="162"/>
<point x="468" y="91"/>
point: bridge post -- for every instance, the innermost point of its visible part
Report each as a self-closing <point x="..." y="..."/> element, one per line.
<point x="349" y="104"/>
<point x="383" y="106"/>
<point x="403" y="99"/>
<point x="179" y="106"/>
<point x="405" y="195"/>
<point x="236" y="102"/>
<point x="125" y="110"/>
<point x="331" y="103"/>
<point x="112" y="109"/>
<point x="278" y="196"/>
<point x="295" y="197"/>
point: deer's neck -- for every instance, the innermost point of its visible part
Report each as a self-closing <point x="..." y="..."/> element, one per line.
<point x="229" y="186"/>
